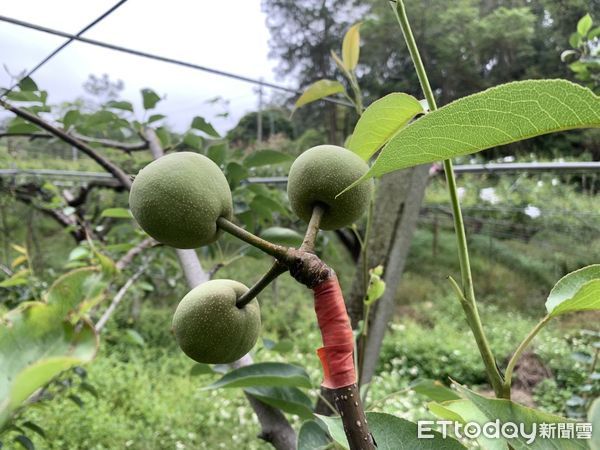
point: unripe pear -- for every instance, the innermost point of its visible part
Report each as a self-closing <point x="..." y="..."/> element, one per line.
<point x="210" y="328"/>
<point x="178" y="198"/>
<point x="321" y="173"/>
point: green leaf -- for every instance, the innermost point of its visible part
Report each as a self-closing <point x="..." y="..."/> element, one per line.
<point x="463" y="411"/>
<point x="288" y="399"/>
<point x="18" y="279"/>
<point x="149" y="98"/>
<point x="283" y="346"/>
<point x="200" y="369"/>
<point x="500" y="115"/>
<point x="21" y="259"/>
<point x="87" y="387"/>
<point x="133" y="337"/>
<point x="72" y="289"/>
<point x="19" y="248"/>
<point x="164" y="137"/>
<point x="434" y="390"/>
<point x="35" y="428"/>
<point x="116" y="213"/>
<point x="70" y="118"/>
<point x="392" y="433"/>
<point x="193" y="141"/>
<point x="575" y="40"/>
<point x="312" y="436"/>
<point x="79" y="253"/>
<point x="25" y="442"/>
<point x="122" y="247"/>
<point x="584" y="25"/>
<point x="318" y="90"/>
<point x="506" y="411"/>
<point x="100" y="118"/>
<point x="380" y="121"/>
<point x="217" y="153"/>
<point x="23" y="96"/>
<point x="27" y="84"/>
<point x="576" y="291"/>
<point x="265" y="157"/>
<point x="155" y="117"/>
<point x="282" y="236"/>
<point x="578" y="67"/>
<point x="125" y="106"/>
<point x="340" y="65"/>
<point x="144" y="285"/>
<point x="76" y="399"/>
<point x="20" y="126"/>
<point x="448" y="411"/>
<point x="36" y="346"/>
<point x="335" y="428"/>
<point x="351" y="47"/>
<point x="376" y="286"/>
<point x="594" y="33"/>
<point x="199" y="123"/>
<point x="109" y="267"/>
<point x="235" y="173"/>
<point x="264" y="374"/>
<point x="265" y="207"/>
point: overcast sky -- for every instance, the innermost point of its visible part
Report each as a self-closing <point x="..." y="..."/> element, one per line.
<point x="227" y="35"/>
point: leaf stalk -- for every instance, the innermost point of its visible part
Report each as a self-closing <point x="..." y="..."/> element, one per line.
<point x="468" y="293"/>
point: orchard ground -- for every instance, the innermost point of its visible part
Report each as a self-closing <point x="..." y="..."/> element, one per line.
<point x="147" y="397"/>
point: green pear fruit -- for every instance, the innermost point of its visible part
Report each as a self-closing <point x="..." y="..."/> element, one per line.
<point x="318" y="175"/>
<point x="178" y="198"/>
<point x="210" y="328"/>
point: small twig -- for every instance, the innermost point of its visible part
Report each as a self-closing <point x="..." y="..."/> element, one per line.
<point x="519" y="351"/>
<point x="276" y="269"/>
<point x="6" y="270"/>
<point x="30" y="136"/>
<point x="126" y="259"/>
<point x="125" y="146"/>
<point x="118" y="298"/>
<point x="310" y="237"/>
<point x="277" y="251"/>
<point x="294" y="259"/>
<point x="327" y="403"/>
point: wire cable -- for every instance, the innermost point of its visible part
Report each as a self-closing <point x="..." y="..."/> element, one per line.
<point x="165" y="59"/>
<point x="63" y="45"/>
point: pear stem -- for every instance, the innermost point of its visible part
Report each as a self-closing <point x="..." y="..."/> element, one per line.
<point x="276" y="269"/>
<point x="277" y="251"/>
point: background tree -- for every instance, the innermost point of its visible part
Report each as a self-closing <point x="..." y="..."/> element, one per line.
<point x="469" y="45"/>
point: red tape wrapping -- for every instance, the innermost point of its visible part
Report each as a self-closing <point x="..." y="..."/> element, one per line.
<point x="336" y="355"/>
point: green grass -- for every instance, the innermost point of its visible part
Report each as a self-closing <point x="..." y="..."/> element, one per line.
<point x="148" y="399"/>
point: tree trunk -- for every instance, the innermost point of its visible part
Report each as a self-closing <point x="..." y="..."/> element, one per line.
<point x="397" y="206"/>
